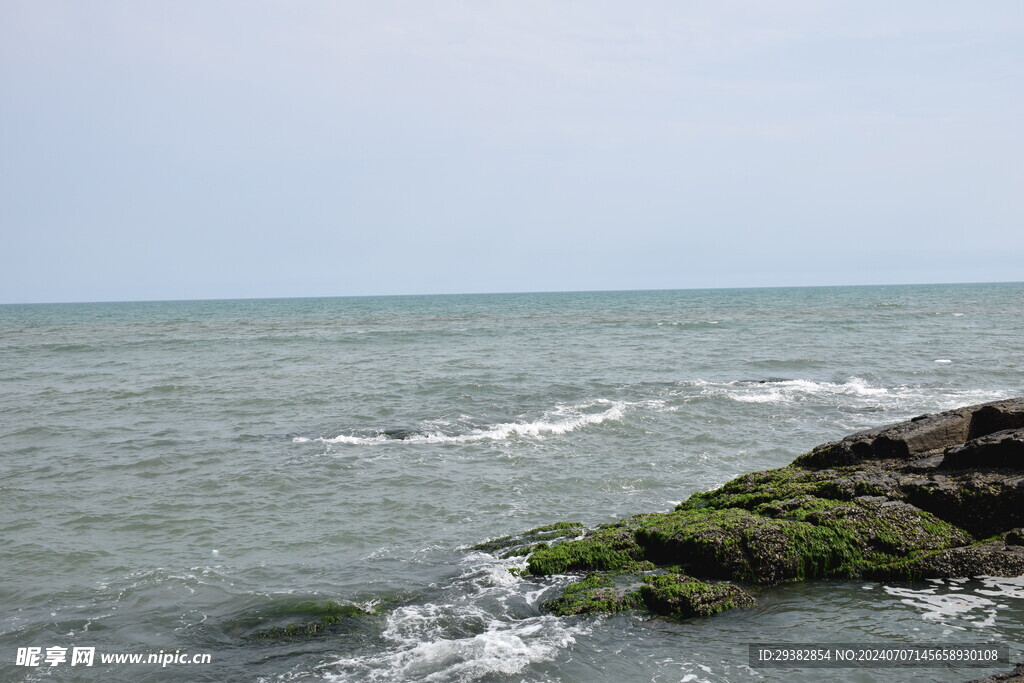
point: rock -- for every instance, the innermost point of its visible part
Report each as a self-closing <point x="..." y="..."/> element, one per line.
<point x="595" y="593"/>
<point x="1015" y="676"/>
<point x="611" y="548"/>
<point x="992" y="559"/>
<point x="995" y="417"/>
<point x="680" y="596"/>
<point x="982" y="502"/>
<point x="400" y="433"/>
<point x="297" y="620"/>
<point x="532" y="540"/>
<point x="937" y="496"/>
<point x="920" y="437"/>
<point x="1003" y="449"/>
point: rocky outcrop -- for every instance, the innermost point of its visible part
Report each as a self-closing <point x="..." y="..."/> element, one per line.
<point x="1015" y="676"/>
<point x="938" y="496"/>
<point x="1003" y="450"/>
<point x="917" y="441"/>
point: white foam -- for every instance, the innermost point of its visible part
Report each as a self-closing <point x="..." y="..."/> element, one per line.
<point x="1005" y="587"/>
<point x="855" y="393"/>
<point x="688" y="323"/>
<point x="502" y="649"/>
<point x="342" y="438"/>
<point x="957" y="608"/>
<point x="476" y="635"/>
<point x="561" y="420"/>
<point x="773" y="396"/>
<point x="786" y="391"/>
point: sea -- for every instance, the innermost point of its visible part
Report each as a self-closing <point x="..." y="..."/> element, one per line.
<point x="180" y="478"/>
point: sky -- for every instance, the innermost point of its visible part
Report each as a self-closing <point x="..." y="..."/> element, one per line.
<point x="204" y="149"/>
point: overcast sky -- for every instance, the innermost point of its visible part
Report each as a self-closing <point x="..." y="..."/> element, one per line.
<point x="218" y="149"/>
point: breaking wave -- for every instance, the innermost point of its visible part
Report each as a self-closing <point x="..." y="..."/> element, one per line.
<point x="855" y="391"/>
<point x="786" y="390"/>
<point x="560" y="420"/>
<point x="485" y="624"/>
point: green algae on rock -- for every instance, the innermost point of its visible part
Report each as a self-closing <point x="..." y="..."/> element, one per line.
<point x="937" y="496"/>
<point x="287" y="618"/>
<point x="594" y="593"/>
<point x="609" y="548"/>
<point x="528" y="541"/>
<point x="680" y="596"/>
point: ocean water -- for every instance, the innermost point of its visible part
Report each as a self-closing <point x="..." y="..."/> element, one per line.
<point x="178" y="476"/>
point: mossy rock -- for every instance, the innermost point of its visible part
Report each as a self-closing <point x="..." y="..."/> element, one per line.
<point x="331" y="613"/>
<point x="982" y="503"/>
<point x="796" y="539"/>
<point x="989" y="557"/>
<point x="526" y="542"/>
<point x="681" y="596"/>
<point x="612" y="548"/>
<point x="596" y="593"/>
<point x="737" y="544"/>
<point x="802" y="538"/>
<point x="757" y="488"/>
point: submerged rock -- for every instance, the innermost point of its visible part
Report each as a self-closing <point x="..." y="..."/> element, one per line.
<point x="937" y="496"/>
<point x="530" y="541"/>
<point x="288" y="618"/>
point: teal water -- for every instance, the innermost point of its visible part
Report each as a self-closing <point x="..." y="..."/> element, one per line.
<point x="180" y="475"/>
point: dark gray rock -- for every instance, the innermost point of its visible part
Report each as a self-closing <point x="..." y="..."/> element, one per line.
<point x="995" y="417"/>
<point x="984" y="502"/>
<point x="986" y="559"/>
<point x="400" y="433"/>
<point x="920" y="438"/>
<point x="1015" y="676"/>
<point x="1003" y="450"/>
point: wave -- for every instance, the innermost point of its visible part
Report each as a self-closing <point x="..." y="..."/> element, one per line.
<point x="560" y="420"/>
<point x="787" y="390"/>
<point x="855" y="394"/>
<point x="856" y="391"/>
<point x="688" y="323"/>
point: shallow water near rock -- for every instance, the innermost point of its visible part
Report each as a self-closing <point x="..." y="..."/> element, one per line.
<point x="187" y="475"/>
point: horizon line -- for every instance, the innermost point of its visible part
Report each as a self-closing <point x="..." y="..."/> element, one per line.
<point x="496" y="293"/>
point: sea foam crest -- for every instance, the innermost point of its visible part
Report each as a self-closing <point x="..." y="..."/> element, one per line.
<point x="561" y="420"/>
